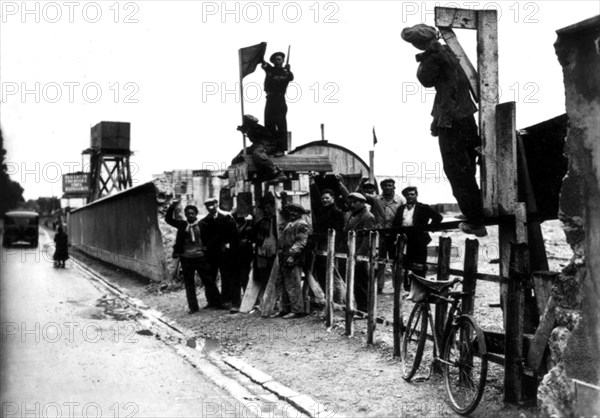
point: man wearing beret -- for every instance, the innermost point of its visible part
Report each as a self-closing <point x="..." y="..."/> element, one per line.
<point x="277" y="79"/>
<point x="453" y="121"/>
<point x="291" y="253"/>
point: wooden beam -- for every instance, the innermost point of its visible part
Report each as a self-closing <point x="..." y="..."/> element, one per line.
<point x="456" y="18"/>
<point x="441" y="309"/>
<point x="506" y="155"/>
<point x="398" y="289"/>
<point x="470" y="275"/>
<point x="350" y="283"/>
<point x="329" y="278"/>
<point x="372" y="287"/>
<point x="452" y="42"/>
<point x="515" y="301"/>
<point x="487" y="68"/>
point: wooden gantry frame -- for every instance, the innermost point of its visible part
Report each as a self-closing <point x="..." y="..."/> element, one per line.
<point x="110" y="172"/>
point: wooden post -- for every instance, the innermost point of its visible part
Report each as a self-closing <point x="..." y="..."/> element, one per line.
<point x="398" y="289"/>
<point x="372" y="288"/>
<point x="350" y="262"/>
<point x="513" y="363"/>
<point x="329" y="278"/>
<point x="445" y="247"/>
<point x="470" y="274"/>
<point x="487" y="68"/>
<point x="372" y="167"/>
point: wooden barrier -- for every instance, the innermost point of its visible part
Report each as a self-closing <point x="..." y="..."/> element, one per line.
<point x="350" y="283"/>
<point x="329" y="278"/>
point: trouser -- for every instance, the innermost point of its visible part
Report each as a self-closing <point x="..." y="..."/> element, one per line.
<point x="264" y="166"/>
<point x="387" y="249"/>
<point x="275" y="119"/>
<point x="457" y="146"/>
<point x="245" y="257"/>
<point x="230" y="278"/>
<point x="416" y="252"/>
<point x="361" y="285"/>
<point x="289" y="280"/>
<point x="192" y="265"/>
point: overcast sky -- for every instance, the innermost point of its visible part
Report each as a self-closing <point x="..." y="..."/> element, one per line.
<point x="171" y="69"/>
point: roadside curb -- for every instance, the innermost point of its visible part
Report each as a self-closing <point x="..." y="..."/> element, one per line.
<point x="303" y="403"/>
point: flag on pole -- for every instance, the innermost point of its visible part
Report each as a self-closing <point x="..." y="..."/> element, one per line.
<point x="374" y="137"/>
<point x="250" y="57"/>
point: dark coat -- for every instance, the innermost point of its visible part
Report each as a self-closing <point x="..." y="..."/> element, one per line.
<point x="440" y="68"/>
<point x="362" y="220"/>
<point x="61" y="252"/>
<point x="219" y="230"/>
<point x="422" y="215"/>
<point x="181" y="226"/>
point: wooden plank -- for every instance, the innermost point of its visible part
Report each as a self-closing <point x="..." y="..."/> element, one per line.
<point x="542" y="282"/>
<point x="521" y="223"/>
<point x="350" y="283"/>
<point x="315" y="287"/>
<point x="455" y="18"/>
<point x="329" y="278"/>
<point x="270" y="295"/>
<point x="398" y="289"/>
<point x="452" y="42"/>
<point x="487" y="68"/>
<point x="538" y="345"/>
<point x="441" y="309"/>
<point x="506" y="157"/>
<point x="470" y="276"/>
<point x="515" y="300"/>
<point x="251" y="294"/>
<point x="372" y="287"/>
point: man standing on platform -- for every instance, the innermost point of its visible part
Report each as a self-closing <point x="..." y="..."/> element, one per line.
<point x="415" y="213"/>
<point x="277" y="79"/>
<point x="453" y="121"/>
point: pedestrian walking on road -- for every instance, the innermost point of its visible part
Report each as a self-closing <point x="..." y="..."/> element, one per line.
<point x="61" y="251"/>
<point x="191" y="250"/>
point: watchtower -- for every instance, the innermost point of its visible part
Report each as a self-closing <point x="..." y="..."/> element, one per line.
<point x="109" y="159"/>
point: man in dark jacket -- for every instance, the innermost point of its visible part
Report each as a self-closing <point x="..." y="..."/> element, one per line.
<point x="277" y="79"/>
<point x="360" y="218"/>
<point x="221" y="239"/>
<point x="415" y="213"/>
<point x="453" y="121"/>
<point x="191" y="249"/>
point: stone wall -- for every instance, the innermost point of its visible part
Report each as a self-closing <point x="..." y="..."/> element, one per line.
<point x="571" y="386"/>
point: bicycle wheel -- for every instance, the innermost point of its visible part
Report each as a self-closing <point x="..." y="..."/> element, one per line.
<point x="413" y="341"/>
<point x="464" y="365"/>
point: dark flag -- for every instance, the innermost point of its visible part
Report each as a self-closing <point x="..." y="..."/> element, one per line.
<point x="250" y="57"/>
<point x="374" y="137"/>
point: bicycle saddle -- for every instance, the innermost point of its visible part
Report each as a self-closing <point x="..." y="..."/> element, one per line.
<point x="421" y="287"/>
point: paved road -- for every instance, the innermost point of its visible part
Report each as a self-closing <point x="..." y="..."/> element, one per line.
<point x="70" y="350"/>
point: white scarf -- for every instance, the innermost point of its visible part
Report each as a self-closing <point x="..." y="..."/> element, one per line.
<point x="190" y="229"/>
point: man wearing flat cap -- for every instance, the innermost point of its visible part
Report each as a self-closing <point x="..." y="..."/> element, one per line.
<point x="384" y="208"/>
<point x="453" y="121"/>
<point x="360" y="219"/>
<point x="291" y="253"/>
<point x="277" y="79"/>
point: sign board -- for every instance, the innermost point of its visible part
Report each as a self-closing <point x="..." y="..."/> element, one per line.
<point x="76" y="184"/>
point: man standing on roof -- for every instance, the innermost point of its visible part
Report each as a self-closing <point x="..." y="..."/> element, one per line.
<point x="277" y="79"/>
<point x="453" y="121"/>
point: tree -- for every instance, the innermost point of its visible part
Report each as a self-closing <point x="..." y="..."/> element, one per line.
<point x="11" y="191"/>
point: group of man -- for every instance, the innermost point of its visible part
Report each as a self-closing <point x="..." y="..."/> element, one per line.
<point x="367" y="210"/>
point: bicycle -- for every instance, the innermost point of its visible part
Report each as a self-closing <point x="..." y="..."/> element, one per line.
<point x="464" y="357"/>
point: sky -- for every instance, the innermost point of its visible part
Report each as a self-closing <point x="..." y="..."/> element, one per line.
<point x="170" y="68"/>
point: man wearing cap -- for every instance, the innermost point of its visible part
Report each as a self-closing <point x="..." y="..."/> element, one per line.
<point x="264" y="145"/>
<point x="221" y="239"/>
<point x="277" y="79"/>
<point x="360" y="219"/>
<point x="291" y="253"/>
<point x="190" y="248"/>
<point x="415" y="213"/>
<point x="384" y="208"/>
<point x="453" y="121"/>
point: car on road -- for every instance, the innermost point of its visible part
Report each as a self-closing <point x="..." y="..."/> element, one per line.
<point x="21" y="226"/>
